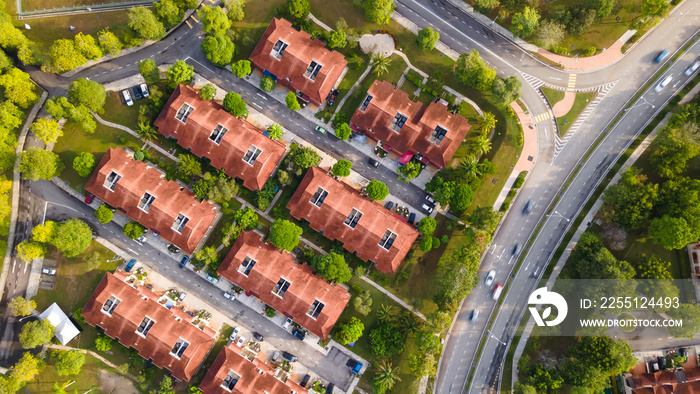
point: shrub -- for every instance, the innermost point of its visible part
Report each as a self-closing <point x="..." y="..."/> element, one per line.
<point x="104" y="214"/>
<point x="267" y="84"/>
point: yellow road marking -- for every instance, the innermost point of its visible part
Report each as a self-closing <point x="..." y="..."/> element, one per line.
<point x="195" y="19"/>
<point x="188" y="24"/>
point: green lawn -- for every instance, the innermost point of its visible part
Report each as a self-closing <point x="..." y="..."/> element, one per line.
<point x="226" y="331"/>
<point x="30" y="5"/>
<point x="580" y="103"/>
<point x="554" y="96"/>
<point x="258" y="15"/>
<point x="85" y="381"/>
<point x="45" y="30"/>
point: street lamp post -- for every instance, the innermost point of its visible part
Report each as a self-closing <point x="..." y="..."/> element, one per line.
<point x="557" y="214"/>
<point x="575" y="61"/>
<point x="494" y="337"/>
<point x="641" y="104"/>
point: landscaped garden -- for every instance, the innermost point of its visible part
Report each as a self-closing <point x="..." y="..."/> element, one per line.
<point x="581" y="100"/>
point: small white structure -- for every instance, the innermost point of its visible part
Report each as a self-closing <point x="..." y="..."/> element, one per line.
<point x="65" y="329"/>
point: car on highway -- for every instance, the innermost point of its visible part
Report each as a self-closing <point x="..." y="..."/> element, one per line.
<point x="48" y="271"/>
<point x="240" y="341"/>
<point x="137" y="92"/>
<point x="183" y="261"/>
<point x="527" y="208"/>
<point x="130" y="265"/>
<point x="661" y="56"/>
<point x="234" y="334"/>
<point x="89" y="198"/>
<point x="373" y="163"/>
<point x="497" y="291"/>
<point x="287" y="323"/>
<point x="127" y="97"/>
<point x="489" y="278"/>
<point x="212" y="279"/>
<point x="144" y="90"/>
<point x="320" y="129"/>
<point x="229" y="296"/>
<point x="289" y="356"/>
<point x="258" y="337"/>
<point x="333" y="96"/>
<point x="692" y="68"/>
<point x="516" y="249"/>
<point x="427" y="208"/>
<point x="473" y="316"/>
<point x="663" y="84"/>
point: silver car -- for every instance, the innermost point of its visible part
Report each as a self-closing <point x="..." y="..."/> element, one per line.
<point x="663" y="84"/>
<point x="489" y="278"/>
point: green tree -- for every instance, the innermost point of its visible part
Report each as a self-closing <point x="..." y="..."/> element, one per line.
<point x="462" y="197"/>
<point x="26" y="369"/>
<point x="214" y="20"/>
<point x="349" y="332"/>
<point x="189" y="165"/>
<point x="10" y="116"/>
<point x="166" y="386"/>
<point x="385" y="313"/>
<point x="379" y="11"/>
<point x="377" y="190"/>
<point x="671" y="233"/>
<point x="179" y="72"/>
<point x="285" y="234"/>
<point x="149" y="70"/>
<point x="19" y="89"/>
<point x="690" y="315"/>
<point x="487" y="122"/>
<point x="524" y="23"/>
<point x="422" y="365"/>
<point x="427" y="225"/>
<point x="457" y="274"/>
<point x="654" y="8"/>
<point x="88" y="93"/>
<point x="298" y="9"/>
<point x="222" y="189"/>
<point x="549" y="33"/>
<point x="29" y="250"/>
<point x="292" y="102"/>
<point x="104" y="214"/>
<point x="306" y="157"/>
<point x="103" y="343"/>
<point x="267" y="83"/>
<point x="234" y="9"/>
<point x="187" y="4"/>
<point x="5" y="62"/>
<point x="144" y="24"/>
<point x="21" y="307"/>
<point x="485" y="6"/>
<point x="630" y="201"/>
<point x="168" y="13"/>
<point x="427" y="38"/>
<point x="505" y="91"/>
<point x="207" y="92"/>
<point x="241" y="68"/>
<point x="610" y="356"/>
<point x="381" y="64"/>
<point x="473" y="71"/>
<point x="337" y="39"/>
<point x="246" y="218"/>
<point x="409" y="171"/>
<point x="109" y="42"/>
<point x="84" y="163"/>
<point x="485" y="218"/>
<point x="234" y="104"/>
<point x="426" y="243"/>
<point x="146" y="132"/>
<point x="386" y="340"/>
<point x="133" y="230"/>
<point x="87" y="45"/>
<point x="207" y="255"/>
<point x="363" y="303"/>
<point x="343" y="131"/>
<point x="602" y="8"/>
<point x="542" y="378"/>
<point x="45" y="232"/>
<point x="73" y="237"/>
<point x="36" y="333"/>
<point x="38" y="164"/>
<point x="275" y="131"/>
<point x="481" y="145"/>
<point x="331" y="267"/>
<point x="47" y="130"/>
<point x="342" y="168"/>
<point x="63" y="56"/>
<point x="218" y="48"/>
<point x="68" y="362"/>
<point x="386" y="376"/>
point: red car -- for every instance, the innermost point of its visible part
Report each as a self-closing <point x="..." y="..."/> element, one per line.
<point x="89" y="198"/>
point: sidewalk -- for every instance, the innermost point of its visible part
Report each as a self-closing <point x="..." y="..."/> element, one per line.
<point x="128" y="130"/>
<point x="393" y="297"/>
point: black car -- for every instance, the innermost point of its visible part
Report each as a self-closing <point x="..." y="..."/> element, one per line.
<point x="411" y="218"/>
<point x="373" y="163"/>
<point x="289" y="356"/>
<point x="334" y="95"/>
<point x="298" y="334"/>
<point x="304" y="380"/>
<point x="388" y="205"/>
<point x="137" y="92"/>
<point x="258" y="337"/>
<point x="527" y="208"/>
<point x="329" y="388"/>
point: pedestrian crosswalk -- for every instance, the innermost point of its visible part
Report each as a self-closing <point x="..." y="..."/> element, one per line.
<point x="572" y="83"/>
<point x="543" y="116"/>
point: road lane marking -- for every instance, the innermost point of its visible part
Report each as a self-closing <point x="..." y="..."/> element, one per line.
<point x="195" y="19"/>
<point x="188" y="24"/>
<point x="572" y="83"/>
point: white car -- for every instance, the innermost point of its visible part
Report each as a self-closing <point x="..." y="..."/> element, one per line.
<point x="287" y="323"/>
<point x="489" y="278"/>
<point x="663" y="83"/>
<point x="427" y="208"/>
<point x="692" y="68"/>
<point x="142" y="239"/>
<point x="127" y="97"/>
<point x="240" y="341"/>
<point x="144" y="89"/>
<point x="182" y="296"/>
<point x="235" y="333"/>
<point x="48" y="271"/>
<point x="229" y="296"/>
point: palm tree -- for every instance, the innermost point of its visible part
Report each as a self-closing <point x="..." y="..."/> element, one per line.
<point x="387" y="376"/>
<point x="469" y="166"/>
<point x="482" y="145"/>
<point x="487" y="122"/>
<point x="146" y="132"/>
<point x="409" y="323"/>
<point x="381" y="64"/>
<point x="386" y="313"/>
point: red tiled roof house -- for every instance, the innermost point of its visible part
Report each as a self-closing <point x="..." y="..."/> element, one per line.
<point x="237" y="371"/>
<point x="141" y="191"/>
<point x="409" y="128"/>
<point x="136" y="318"/>
<point x="293" y="290"/>
<point x="297" y="61"/>
<point x="365" y="228"/>
<point x="204" y="128"/>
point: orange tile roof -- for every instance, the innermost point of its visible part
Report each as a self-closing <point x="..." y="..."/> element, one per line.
<point x="301" y="50"/>
<point x="273" y="264"/>
<point x="329" y="219"/>
<point x="170" y="326"/>
<point x="171" y="199"/>
<point x="254" y="376"/>
<point x="416" y="134"/>
<point x="228" y="155"/>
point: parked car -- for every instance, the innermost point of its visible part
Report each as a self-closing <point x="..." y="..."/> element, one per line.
<point x="473" y="316"/>
<point x="389" y="204"/>
<point x="289" y="356"/>
<point x="144" y="90"/>
<point x="183" y="261"/>
<point x="683" y="352"/>
<point x="298" y="334"/>
<point x="305" y="380"/>
<point x="234" y="334"/>
<point x="373" y="163"/>
<point x="130" y="265"/>
<point x="354" y="365"/>
<point x="258" y="337"/>
<point x="229" y="296"/>
<point x="527" y="208"/>
<point x="320" y="129"/>
<point x="663" y="84"/>
<point x="412" y="218"/>
<point x="141" y="239"/>
<point x="275" y="356"/>
<point x="240" y="341"/>
<point x="427" y="208"/>
<point x="182" y="296"/>
<point x="430" y="199"/>
<point x="489" y="278"/>
<point x="329" y="388"/>
<point x="662" y="362"/>
<point x="127" y="97"/>
<point x="89" y="198"/>
<point x="662" y="55"/>
<point x="333" y="96"/>
<point x="212" y="279"/>
<point x="287" y="323"/>
<point x="137" y="92"/>
<point x="48" y="271"/>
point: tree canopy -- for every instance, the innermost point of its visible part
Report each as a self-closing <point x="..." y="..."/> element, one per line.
<point x="342" y="168"/>
<point x="298" y="9"/>
<point x="241" y="68"/>
<point x="306" y="157"/>
<point x="427" y="225"/>
<point x="88" y="93"/>
<point x="505" y="91"/>
<point x="73" y="238"/>
<point x="207" y="92"/>
<point x="524" y="23"/>
<point x="84" y="163"/>
<point x="145" y="24"/>
<point x="332" y="267"/>
<point x="21" y="307"/>
<point x="109" y="42"/>
<point x="285" y="234"/>
<point x="343" y="131"/>
<point x="379" y="11"/>
<point x="386" y="340"/>
<point x="349" y="332"/>
<point x="168" y="13"/>
<point x="214" y="20"/>
<point x="267" y="83"/>
<point x="36" y="333"/>
<point x="179" y="72"/>
<point x="47" y="130"/>
<point x="133" y="230"/>
<point x="38" y="164"/>
<point x="29" y="250"/>
<point x="234" y="104"/>
<point x="337" y="39"/>
<point x="149" y="70"/>
<point x="473" y="71"/>
<point x="427" y="38"/>
<point x="234" y="9"/>
<point x="19" y="88"/>
<point x="377" y="190"/>
<point x="291" y="101"/>
<point x="69" y="362"/>
<point x="104" y="214"/>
